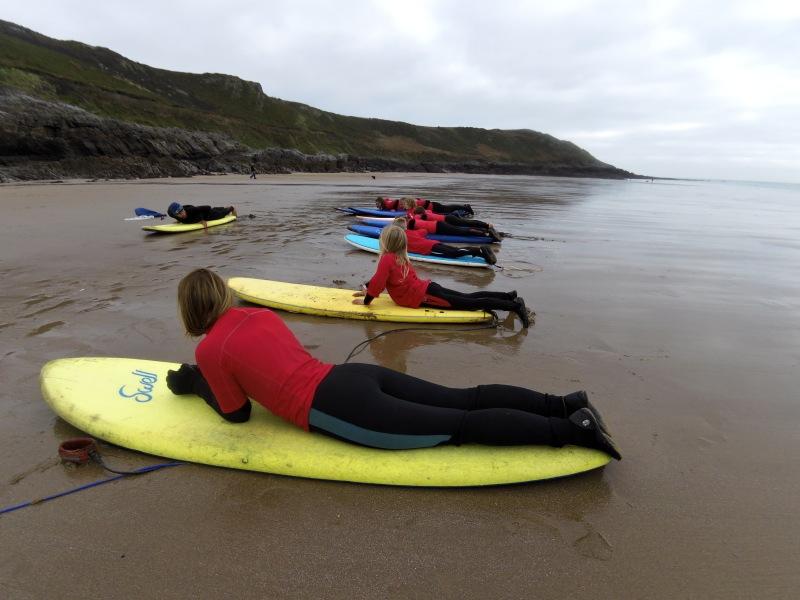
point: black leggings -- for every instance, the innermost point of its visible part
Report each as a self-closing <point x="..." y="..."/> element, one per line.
<point x="375" y="406"/>
<point x="481" y="300"/>
<point x="461" y="222"/>
<point x="218" y="212"/>
<point x="443" y="209"/>
<point x="443" y="228"/>
<point x="453" y="252"/>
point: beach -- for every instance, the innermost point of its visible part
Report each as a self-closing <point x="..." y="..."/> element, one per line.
<point x="673" y="303"/>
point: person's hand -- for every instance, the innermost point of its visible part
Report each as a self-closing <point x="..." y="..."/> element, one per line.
<point x="359" y="294"/>
<point x="359" y="301"/>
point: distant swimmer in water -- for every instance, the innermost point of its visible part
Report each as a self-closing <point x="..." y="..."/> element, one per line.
<point x="396" y="275"/>
<point x="442" y="209"/>
<point x="186" y="213"/>
<point x="250" y="354"/>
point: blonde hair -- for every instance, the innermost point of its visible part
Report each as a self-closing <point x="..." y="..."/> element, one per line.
<point x="393" y="241"/>
<point x="408" y="203"/>
<point x="202" y="297"/>
<point x="400" y="222"/>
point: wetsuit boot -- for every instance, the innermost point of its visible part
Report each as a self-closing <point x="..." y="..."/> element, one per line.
<point x="589" y="433"/>
<point x="580" y="399"/>
<point x="522" y="312"/>
<point x="488" y="255"/>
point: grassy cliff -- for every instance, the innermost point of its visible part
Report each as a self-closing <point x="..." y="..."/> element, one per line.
<point x="109" y="85"/>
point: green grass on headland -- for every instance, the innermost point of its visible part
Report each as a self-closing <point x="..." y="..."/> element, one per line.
<point x="109" y="85"/>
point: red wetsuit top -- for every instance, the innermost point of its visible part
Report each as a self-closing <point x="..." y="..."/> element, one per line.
<point x="250" y="352"/>
<point x="422" y="225"/>
<point x="427" y="216"/>
<point x="418" y="242"/>
<point x="406" y="291"/>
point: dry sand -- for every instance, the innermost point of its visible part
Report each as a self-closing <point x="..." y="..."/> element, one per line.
<point x="697" y="383"/>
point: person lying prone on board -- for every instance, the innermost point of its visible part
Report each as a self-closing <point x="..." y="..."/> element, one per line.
<point x="441" y="209"/>
<point x="420" y="222"/>
<point x="417" y="212"/>
<point x="250" y="353"/>
<point x="418" y="243"/>
<point x="395" y="274"/>
<point x="188" y="214"/>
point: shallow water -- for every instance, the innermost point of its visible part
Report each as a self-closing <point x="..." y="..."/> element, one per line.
<point x="674" y="303"/>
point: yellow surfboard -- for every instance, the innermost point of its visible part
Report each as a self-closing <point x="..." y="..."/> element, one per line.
<point x="126" y="402"/>
<point x="335" y="302"/>
<point x="181" y="227"/>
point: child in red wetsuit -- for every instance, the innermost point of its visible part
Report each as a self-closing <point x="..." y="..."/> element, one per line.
<point x="420" y="223"/>
<point x="420" y="213"/>
<point x="249" y="353"/>
<point x="395" y="274"/>
<point x="441" y="209"/>
<point x="418" y="243"/>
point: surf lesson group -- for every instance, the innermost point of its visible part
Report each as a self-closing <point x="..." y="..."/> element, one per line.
<point x="248" y="353"/>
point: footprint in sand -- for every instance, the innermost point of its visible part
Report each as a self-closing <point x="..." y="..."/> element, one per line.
<point x="45" y="328"/>
<point x="593" y="545"/>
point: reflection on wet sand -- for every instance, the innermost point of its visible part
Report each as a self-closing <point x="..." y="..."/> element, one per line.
<point x="675" y="305"/>
<point x="392" y="349"/>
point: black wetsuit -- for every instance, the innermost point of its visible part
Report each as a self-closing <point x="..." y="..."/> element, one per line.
<point x="195" y="214"/>
<point x="374" y="406"/>
<point x="453" y="252"/>
<point x="444" y="209"/>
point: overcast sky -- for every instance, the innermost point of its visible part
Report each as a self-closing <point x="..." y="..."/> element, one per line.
<point x="666" y="88"/>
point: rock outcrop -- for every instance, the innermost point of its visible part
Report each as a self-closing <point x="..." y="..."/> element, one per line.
<point x="53" y="140"/>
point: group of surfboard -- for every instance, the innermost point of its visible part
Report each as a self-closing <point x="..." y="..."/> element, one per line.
<point x="510" y="434"/>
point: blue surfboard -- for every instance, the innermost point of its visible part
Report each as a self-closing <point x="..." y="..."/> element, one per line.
<point x="374" y="212"/>
<point x="372" y="245"/>
<point x="375" y="232"/>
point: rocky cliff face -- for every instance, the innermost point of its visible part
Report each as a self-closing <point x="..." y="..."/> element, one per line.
<point x="50" y="140"/>
<point x="73" y="110"/>
<point x="53" y="140"/>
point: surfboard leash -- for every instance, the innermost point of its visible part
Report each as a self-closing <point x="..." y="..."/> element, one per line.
<point x="361" y="346"/>
<point x="80" y="451"/>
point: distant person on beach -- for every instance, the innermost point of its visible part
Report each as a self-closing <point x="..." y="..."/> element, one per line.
<point x="252" y="171"/>
<point x="396" y="275"/>
<point x="249" y="353"/>
<point x="186" y="213"/>
<point x="418" y="243"/>
<point x="392" y="204"/>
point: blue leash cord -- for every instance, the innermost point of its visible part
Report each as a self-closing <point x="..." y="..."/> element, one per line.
<point x="90" y="485"/>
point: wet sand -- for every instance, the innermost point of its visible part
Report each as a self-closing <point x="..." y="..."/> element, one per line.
<point x="674" y="304"/>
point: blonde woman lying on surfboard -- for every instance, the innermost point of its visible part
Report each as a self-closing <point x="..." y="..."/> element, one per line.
<point x="395" y="274"/>
<point x="249" y="353"/>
